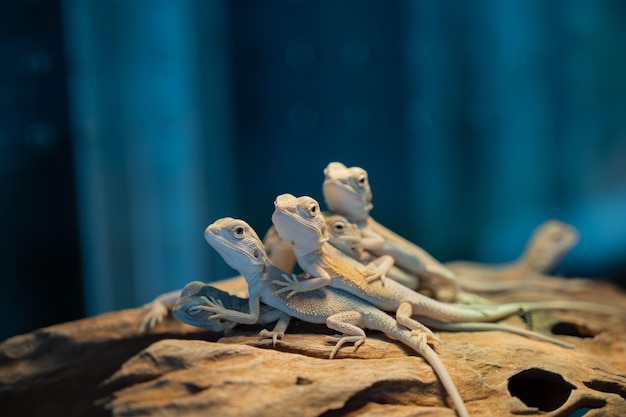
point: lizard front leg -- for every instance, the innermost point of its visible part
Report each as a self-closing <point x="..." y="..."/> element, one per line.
<point x="378" y="268"/>
<point x="294" y="285"/>
<point x="215" y="306"/>
<point x="370" y="240"/>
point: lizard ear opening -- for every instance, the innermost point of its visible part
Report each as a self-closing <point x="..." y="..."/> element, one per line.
<point x="256" y="253"/>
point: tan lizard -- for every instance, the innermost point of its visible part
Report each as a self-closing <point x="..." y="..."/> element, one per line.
<point x="346" y="236"/>
<point x="347" y="192"/>
<point x="549" y="243"/>
<point x="241" y="248"/>
<point x="279" y="252"/>
<point x="298" y="220"/>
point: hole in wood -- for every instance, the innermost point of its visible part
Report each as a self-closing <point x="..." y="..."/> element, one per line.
<point x="572" y="329"/>
<point x="540" y="389"/>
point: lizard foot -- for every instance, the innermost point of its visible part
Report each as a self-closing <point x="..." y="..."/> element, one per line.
<point x="424" y="339"/>
<point x="340" y="340"/>
<point x="372" y="273"/>
<point x="266" y="334"/>
<point x="290" y="283"/>
<point x="212" y="305"/>
<point x="157" y="311"/>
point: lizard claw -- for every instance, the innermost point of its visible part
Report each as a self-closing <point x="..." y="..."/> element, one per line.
<point x="155" y="315"/>
<point x="424" y="339"/>
<point x="266" y="334"/>
<point x="211" y="305"/>
<point x="289" y="283"/>
<point x="371" y="273"/>
<point x="340" y="340"/>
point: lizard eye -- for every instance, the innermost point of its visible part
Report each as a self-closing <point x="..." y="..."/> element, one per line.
<point x="359" y="181"/>
<point x="312" y="209"/>
<point x="339" y="227"/>
<point x="239" y="231"/>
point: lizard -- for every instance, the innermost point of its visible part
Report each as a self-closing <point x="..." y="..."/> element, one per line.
<point x="346" y="236"/>
<point x="186" y="310"/>
<point x="548" y="244"/>
<point x="298" y="220"/>
<point x="279" y="251"/>
<point x="347" y="192"/>
<point x="241" y="248"/>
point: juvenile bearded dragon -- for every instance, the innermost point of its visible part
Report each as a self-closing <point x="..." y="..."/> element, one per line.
<point x="347" y="192"/>
<point x="346" y="236"/>
<point x="186" y="308"/>
<point x="299" y="221"/>
<point x="549" y="243"/>
<point x="279" y="252"/>
<point x="241" y="248"/>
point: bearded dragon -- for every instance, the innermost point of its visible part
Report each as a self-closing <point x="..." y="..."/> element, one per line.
<point x="346" y="236"/>
<point x="347" y="192"/>
<point x="241" y="248"/>
<point x="298" y="220"/>
<point x="549" y="243"/>
<point x="193" y="294"/>
<point x="279" y="252"/>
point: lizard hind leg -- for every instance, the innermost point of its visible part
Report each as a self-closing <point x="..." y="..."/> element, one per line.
<point x="403" y="317"/>
<point x="279" y="328"/>
<point x="347" y="323"/>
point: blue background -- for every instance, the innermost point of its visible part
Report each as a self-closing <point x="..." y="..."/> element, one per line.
<point x="128" y="126"/>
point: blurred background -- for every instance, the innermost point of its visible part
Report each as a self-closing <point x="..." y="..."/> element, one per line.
<point x="128" y="126"/>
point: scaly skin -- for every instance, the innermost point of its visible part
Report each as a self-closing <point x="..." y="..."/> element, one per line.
<point x="299" y="221"/>
<point x="279" y="252"/>
<point x="347" y="192"/>
<point x="548" y="244"/>
<point x="198" y="293"/>
<point x="346" y="236"/>
<point x="241" y="248"/>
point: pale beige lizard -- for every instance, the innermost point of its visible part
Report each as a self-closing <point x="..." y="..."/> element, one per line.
<point x="298" y="220"/>
<point x="346" y="236"/>
<point x="549" y="243"/>
<point x="241" y="248"/>
<point x="279" y="252"/>
<point x="347" y="192"/>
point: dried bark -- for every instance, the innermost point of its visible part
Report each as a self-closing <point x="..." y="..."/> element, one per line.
<point x="101" y="366"/>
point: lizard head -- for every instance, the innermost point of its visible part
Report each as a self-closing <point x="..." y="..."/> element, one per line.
<point x="344" y="235"/>
<point x="549" y="243"/>
<point x="186" y="308"/>
<point x="299" y="220"/>
<point x="347" y="191"/>
<point x="238" y="244"/>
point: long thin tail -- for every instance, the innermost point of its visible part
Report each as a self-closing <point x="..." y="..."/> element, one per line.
<point x="440" y="369"/>
<point x="586" y="306"/>
<point x="481" y="327"/>
<point x="421" y="347"/>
